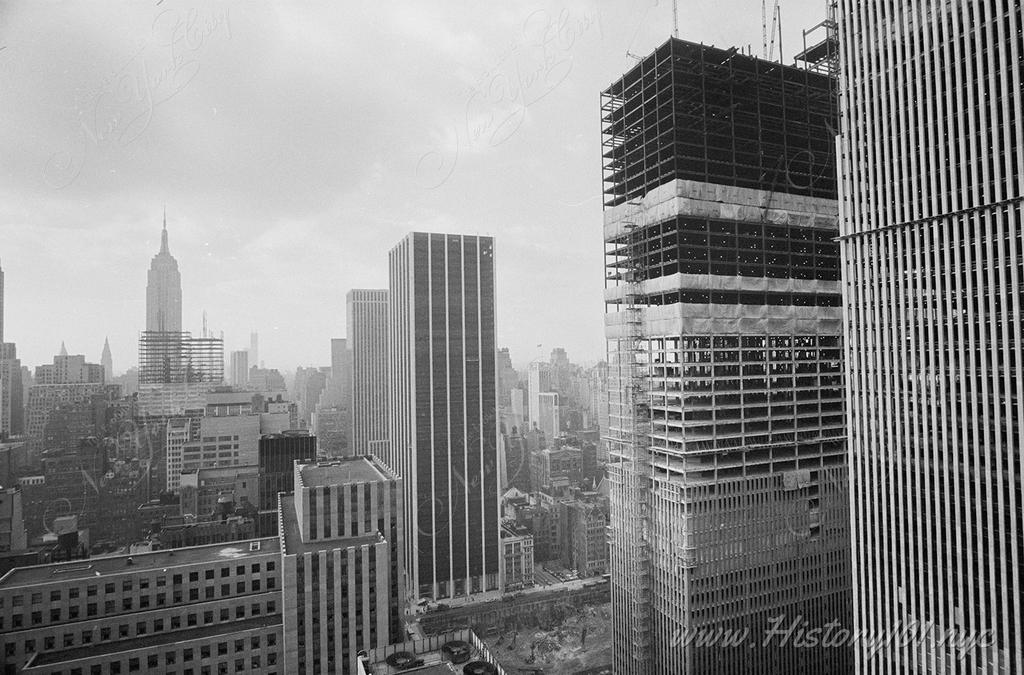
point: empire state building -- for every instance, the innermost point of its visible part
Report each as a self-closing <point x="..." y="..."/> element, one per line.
<point x="163" y="290"/>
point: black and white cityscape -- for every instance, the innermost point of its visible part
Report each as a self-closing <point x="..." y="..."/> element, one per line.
<point x="582" y="337"/>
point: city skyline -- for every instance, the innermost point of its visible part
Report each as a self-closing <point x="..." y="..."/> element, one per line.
<point x="598" y="338"/>
<point x="243" y="246"/>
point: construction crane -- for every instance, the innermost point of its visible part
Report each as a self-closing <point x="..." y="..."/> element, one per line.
<point x="768" y="45"/>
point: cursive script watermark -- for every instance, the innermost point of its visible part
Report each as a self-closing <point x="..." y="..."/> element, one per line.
<point x="533" y="65"/>
<point x="121" y="107"/>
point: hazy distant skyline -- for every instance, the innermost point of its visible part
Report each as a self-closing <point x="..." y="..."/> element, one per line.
<point x="294" y="145"/>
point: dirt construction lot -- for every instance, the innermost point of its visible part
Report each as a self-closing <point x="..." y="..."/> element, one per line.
<point x="583" y="640"/>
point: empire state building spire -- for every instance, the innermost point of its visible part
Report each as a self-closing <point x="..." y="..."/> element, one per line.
<point x="163" y="237"/>
<point x="163" y="290"/>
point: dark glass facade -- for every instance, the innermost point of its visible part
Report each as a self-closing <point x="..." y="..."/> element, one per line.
<point x="447" y="292"/>
<point x="277" y="456"/>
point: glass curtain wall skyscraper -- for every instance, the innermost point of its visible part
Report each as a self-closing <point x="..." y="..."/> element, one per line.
<point x="443" y="410"/>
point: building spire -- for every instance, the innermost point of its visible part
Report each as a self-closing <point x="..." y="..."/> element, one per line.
<point x="63" y="349"/>
<point x="163" y="235"/>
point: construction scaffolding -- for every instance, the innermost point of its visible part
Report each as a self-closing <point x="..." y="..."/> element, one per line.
<point x="206" y="360"/>
<point x="638" y="471"/>
<point x="175" y="357"/>
<point x="821" y="44"/>
<point x="695" y="112"/>
<point x="726" y="393"/>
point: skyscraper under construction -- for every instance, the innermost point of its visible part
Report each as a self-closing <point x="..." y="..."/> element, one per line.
<point x="724" y="329"/>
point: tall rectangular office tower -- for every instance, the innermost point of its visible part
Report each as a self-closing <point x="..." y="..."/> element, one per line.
<point x="443" y="391"/>
<point x="728" y="473"/>
<point x="341" y="537"/>
<point x="367" y="345"/>
<point x="932" y="251"/>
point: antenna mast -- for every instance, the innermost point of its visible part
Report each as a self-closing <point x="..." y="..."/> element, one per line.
<point x="675" y="19"/>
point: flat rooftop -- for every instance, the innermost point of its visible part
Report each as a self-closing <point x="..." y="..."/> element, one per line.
<point x="118" y="565"/>
<point x="433" y="669"/>
<point x="429" y="650"/>
<point x="157" y="640"/>
<point x="340" y="472"/>
<point x="293" y="543"/>
<point x="229" y="397"/>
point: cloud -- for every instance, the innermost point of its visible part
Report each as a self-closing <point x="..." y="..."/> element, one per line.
<point x="288" y="142"/>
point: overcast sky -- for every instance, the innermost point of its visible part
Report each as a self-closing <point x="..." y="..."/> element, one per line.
<point x="295" y="144"/>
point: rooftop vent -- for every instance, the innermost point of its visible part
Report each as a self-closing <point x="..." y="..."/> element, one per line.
<point x="73" y="568"/>
<point x="404" y="660"/>
<point x="457" y="651"/>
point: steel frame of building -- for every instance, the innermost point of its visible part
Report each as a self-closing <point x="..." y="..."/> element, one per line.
<point x="175" y="357"/>
<point x="720" y="197"/>
<point x="712" y="115"/>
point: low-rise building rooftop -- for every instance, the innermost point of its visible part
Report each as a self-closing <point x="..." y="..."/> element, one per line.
<point x="129" y="564"/>
<point x="340" y="471"/>
<point x="291" y="536"/>
<point x="441" y="654"/>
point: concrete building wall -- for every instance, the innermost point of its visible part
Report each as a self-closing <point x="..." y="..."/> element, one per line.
<point x="12" y="392"/>
<point x="539" y="379"/>
<point x="181" y="608"/>
<point x="367" y="345"/>
<point x="201" y="442"/>
<point x="518" y="418"/>
<point x="932" y="236"/>
<point x="239" y="372"/>
<point x="343" y="531"/>
<point x="201" y="488"/>
<point x="548" y="418"/>
<point x="328" y="599"/>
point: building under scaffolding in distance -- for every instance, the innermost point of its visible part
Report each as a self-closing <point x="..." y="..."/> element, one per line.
<point x="175" y="357"/>
<point x="724" y="328"/>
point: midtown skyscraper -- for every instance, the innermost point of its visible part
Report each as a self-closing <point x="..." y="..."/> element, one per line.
<point x="729" y="497"/>
<point x="163" y="290"/>
<point x="443" y="410"/>
<point x="239" y="369"/>
<point x="12" y="410"/>
<point x="367" y="325"/>
<point x="167" y="354"/>
<point x="932" y="249"/>
<point x="254" y="350"/>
